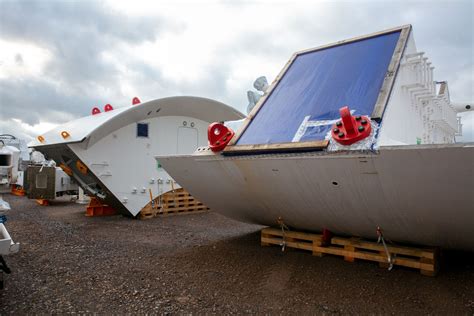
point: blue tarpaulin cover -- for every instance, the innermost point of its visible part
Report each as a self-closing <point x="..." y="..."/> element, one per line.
<point x="317" y="84"/>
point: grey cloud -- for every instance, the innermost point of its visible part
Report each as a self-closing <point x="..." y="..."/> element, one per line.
<point x="151" y="84"/>
<point x="76" y="33"/>
<point x="13" y="128"/>
<point x="51" y="21"/>
<point x="35" y="100"/>
<point x="338" y="22"/>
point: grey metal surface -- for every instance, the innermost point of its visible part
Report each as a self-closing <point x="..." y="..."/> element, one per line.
<point x="416" y="194"/>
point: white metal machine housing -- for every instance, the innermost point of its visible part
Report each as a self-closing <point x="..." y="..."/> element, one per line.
<point x="9" y="159"/>
<point x="111" y="154"/>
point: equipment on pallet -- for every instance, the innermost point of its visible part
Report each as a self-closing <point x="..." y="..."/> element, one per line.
<point x="392" y="163"/>
<point x="7" y="245"/>
<point x="111" y="153"/>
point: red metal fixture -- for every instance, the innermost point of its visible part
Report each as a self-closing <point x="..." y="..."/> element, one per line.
<point x="326" y="237"/>
<point x="95" y="111"/>
<point x="97" y="208"/>
<point x="219" y="136"/>
<point x="136" y="100"/>
<point x="350" y="129"/>
<point x="108" y="108"/>
<point x="43" y="202"/>
<point x="18" y="190"/>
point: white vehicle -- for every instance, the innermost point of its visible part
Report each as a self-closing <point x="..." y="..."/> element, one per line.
<point x="110" y="154"/>
<point x="389" y="160"/>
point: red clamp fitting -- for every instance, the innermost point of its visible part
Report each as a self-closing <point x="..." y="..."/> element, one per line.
<point x="108" y="108"/>
<point x="350" y="129"/>
<point x="219" y="136"/>
<point x="95" y="111"/>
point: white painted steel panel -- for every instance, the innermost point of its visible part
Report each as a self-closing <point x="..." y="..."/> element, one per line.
<point x="123" y="162"/>
<point x="187" y="140"/>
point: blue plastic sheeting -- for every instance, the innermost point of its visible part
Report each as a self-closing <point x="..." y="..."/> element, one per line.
<point x="318" y="84"/>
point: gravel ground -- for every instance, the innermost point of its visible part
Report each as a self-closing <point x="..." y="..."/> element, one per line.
<point x="201" y="263"/>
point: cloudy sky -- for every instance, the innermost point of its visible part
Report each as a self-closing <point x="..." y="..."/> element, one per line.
<point x="58" y="59"/>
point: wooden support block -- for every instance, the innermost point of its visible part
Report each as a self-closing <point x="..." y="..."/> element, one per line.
<point x="262" y="238"/>
<point x="351" y="249"/>
<point x="316" y="245"/>
<point x="385" y="264"/>
<point x="432" y="262"/>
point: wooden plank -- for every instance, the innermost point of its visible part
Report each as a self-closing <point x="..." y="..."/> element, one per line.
<point x="392" y="71"/>
<point x="176" y="199"/>
<point x="385" y="264"/>
<point x="181" y="213"/>
<point x="407" y="262"/>
<point x="190" y="206"/>
<point x="292" y="244"/>
<point x="351" y="249"/>
<point x="293" y="234"/>
<point x="415" y="252"/>
<point x="184" y="202"/>
<point x="354" y="39"/>
<point x="177" y="209"/>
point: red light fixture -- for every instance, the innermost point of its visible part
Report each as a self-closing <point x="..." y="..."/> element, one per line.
<point x="95" y="111"/>
<point x="136" y="101"/>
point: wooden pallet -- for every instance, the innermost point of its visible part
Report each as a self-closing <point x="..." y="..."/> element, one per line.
<point x="177" y="201"/>
<point x="423" y="259"/>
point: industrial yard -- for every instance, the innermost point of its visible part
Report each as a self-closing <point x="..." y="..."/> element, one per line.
<point x="201" y="263"/>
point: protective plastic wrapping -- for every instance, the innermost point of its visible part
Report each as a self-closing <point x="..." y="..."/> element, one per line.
<point x="316" y="85"/>
<point x="4" y="205"/>
<point x="234" y="125"/>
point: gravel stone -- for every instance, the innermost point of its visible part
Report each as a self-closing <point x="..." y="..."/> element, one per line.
<point x="201" y="264"/>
